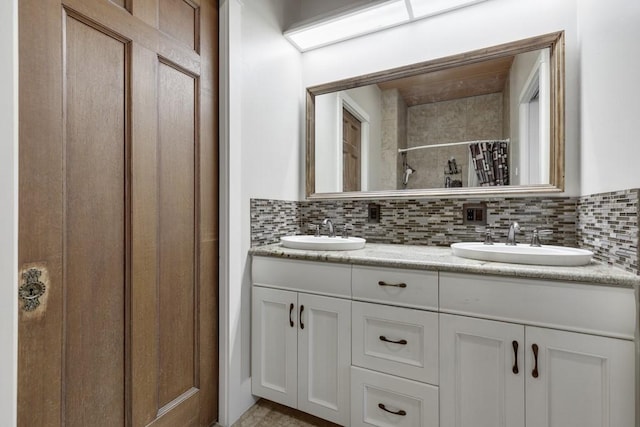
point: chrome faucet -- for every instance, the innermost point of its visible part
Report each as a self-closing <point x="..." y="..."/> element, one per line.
<point x="488" y="238"/>
<point x="514" y="228"/>
<point x="537" y="232"/>
<point x="329" y="223"/>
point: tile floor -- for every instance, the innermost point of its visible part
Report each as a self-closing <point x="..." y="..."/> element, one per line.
<point x="269" y="414"/>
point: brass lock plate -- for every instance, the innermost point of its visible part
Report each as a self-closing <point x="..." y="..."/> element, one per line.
<point x="32" y="289"/>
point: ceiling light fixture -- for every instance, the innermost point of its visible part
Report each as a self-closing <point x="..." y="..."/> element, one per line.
<point x="366" y="20"/>
<point x="351" y="24"/>
<point x="425" y="8"/>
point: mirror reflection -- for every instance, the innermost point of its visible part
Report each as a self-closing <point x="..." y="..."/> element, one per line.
<point x="484" y="123"/>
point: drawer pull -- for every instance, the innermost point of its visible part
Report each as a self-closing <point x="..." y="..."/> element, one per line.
<point x="384" y="408"/>
<point x="395" y="285"/>
<point x="290" y="313"/>
<point x="534" y="373"/>
<point x="301" y="311"/>
<point x="515" y="356"/>
<point x="385" y="339"/>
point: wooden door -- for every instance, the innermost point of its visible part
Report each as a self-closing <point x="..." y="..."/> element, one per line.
<point x="274" y="345"/>
<point x="481" y="373"/>
<point x="582" y="380"/>
<point x="118" y="213"/>
<point x="324" y="357"/>
<point x="351" y="135"/>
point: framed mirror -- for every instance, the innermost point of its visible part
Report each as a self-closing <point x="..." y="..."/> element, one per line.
<point x="490" y="121"/>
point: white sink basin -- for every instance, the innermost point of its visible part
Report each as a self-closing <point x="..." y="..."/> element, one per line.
<point x="523" y="254"/>
<point x="322" y="243"/>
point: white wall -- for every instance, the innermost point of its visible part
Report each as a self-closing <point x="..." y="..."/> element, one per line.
<point x="609" y="32"/>
<point x="522" y="66"/>
<point x="8" y="209"/>
<point x="262" y="112"/>
<point x="485" y="24"/>
<point x="326" y="146"/>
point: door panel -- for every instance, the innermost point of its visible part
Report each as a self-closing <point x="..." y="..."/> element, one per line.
<point x="177" y="244"/>
<point x="118" y="215"/>
<point x="583" y="380"/>
<point x="324" y="357"/>
<point x="40" y="211"/>
<point x="95" y="227"/>
<point x="121" y="3"/>
<point x="478" y="384"/>
<point x="178" y="18"/>
<point x="207" y="173"/>
<point x="274" y="345"/>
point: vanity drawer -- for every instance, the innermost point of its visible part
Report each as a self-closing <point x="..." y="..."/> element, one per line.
<point x="594" y="309"/>
<point x="311" y="277"/>
<point x="416" y="404"/>
<point x="410" y="288"/>
<point x="414" y="352"/>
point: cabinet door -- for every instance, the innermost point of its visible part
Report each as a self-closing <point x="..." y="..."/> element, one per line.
<point x="582" y="380"/>
<point x="481" y="373"/>
<point x="324" y="357"/>
<point x="274" y="341"/>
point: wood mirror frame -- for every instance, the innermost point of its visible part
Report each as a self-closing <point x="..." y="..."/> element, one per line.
<point x="553" y="41"/>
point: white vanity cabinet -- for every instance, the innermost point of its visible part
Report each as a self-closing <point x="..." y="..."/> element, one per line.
<point x="496" y="373"/>
<point x="406" y="347"/>
<point x="301" y="342"/>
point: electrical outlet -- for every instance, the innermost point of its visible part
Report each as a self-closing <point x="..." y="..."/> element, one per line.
<point x="474" y="213"/>
<point x="373" y="210"/>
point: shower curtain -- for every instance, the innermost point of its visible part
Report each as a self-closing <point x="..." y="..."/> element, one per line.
<point x="490" y="161"/>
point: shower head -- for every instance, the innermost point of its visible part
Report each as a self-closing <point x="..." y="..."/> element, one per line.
<point x="408" y="170"/>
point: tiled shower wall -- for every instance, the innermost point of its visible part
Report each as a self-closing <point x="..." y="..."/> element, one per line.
<point x="605" y="223"/>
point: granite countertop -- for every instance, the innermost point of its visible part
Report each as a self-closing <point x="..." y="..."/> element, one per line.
<point x="442" y="259"/>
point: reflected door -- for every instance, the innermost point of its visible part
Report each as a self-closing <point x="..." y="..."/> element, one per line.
<point x="351" y="131"/>
<point x="118" y="221"/>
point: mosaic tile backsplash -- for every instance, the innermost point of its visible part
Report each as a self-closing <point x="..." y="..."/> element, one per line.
<point x="607" y="223"/>
<point x="271" y="219"/>
<point x="438" y="222"/>
<point x="608" y="226"/>
<point x="421" y="222"/>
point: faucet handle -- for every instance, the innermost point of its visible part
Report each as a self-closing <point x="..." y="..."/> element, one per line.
<point x="537" y="232"/>
<point x="345" y="231"/>
<point x="315" y="228"/>
<point x="488" y="234"/>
